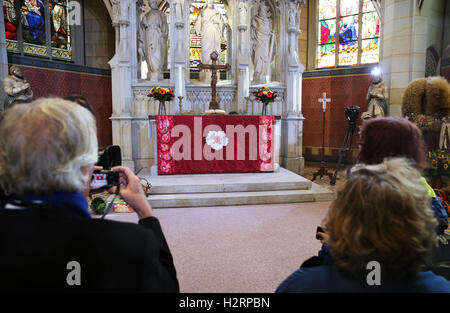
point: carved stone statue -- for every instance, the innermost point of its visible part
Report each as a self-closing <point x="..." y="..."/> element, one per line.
<point x="16" y="88"/>
<point x="210" y="26"/>
<point x="293" y="15"/>
<point x="263" y="40"/>
<point x="178" y="10"/>
<point x="243" y="12"/>
<point x="153" y="34"/>
<point x="377" y="97"/>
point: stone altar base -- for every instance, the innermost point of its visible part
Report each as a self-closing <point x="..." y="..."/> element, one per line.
<point x="199" y="190"/>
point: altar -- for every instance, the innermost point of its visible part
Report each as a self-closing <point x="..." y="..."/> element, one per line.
<point x="165" y="43"/>
<point x="200" y="144"/>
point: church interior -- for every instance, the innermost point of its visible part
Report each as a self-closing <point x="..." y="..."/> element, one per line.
<point x="302" y="75"/>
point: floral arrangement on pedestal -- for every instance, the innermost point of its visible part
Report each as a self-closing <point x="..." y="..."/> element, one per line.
<point x="266" y="96"/>
<point x="162" y="95"/>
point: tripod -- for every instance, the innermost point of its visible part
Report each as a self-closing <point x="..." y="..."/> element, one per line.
<point x="346" y="147"/>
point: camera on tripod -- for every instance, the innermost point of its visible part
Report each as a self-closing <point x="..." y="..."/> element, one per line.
<point x="352" y="114"/>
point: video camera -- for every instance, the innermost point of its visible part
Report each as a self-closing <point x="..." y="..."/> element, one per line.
<point x="352" y="115"/>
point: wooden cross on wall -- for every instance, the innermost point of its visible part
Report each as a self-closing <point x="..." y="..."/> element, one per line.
<point x="213" y="105"/>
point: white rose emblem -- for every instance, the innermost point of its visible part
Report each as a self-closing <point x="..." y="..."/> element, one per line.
<point x="216" y="140"/>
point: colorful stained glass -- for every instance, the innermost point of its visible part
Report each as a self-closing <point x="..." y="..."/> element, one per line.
<point x="348" y="30"/>
<point x="368" y="6"/>
<point x="327" y="9"/>
<point x="370" y="25"/>
<point x="348" y="53"/>
<point x="10" y="18"/>
<point x="326" y="55"/>
<point x="349" y="7"/>
<point x="60" y="29"/>
<point x="351" y="49"/>
<point x="327" y="32"/>
<point x="33" y="21"/>
<point x="370" y="52"/>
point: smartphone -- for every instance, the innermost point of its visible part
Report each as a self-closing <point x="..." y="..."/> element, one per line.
<point x="319" y="230"/>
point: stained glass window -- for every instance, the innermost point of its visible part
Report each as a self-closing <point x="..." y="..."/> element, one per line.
<point x="33" y="27"/>
<point x="30" y="21"/>
<point x="370" y="43"/>
<point x="195" y="49"/>
<point x="10" y="19"/>
<point x="357" y="32"/>
<point x="60" y="30"/>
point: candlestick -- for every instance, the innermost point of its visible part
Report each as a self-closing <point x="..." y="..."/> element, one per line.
<point x="181" y="103"/>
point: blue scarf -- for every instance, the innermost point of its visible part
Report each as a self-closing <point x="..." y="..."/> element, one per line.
<point x="75" y="201"/>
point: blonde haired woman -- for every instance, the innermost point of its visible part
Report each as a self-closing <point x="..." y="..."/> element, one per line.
<point x="381" y="213"/>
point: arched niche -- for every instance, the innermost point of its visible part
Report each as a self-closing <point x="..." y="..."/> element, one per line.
<point x="274" y="9"/>
<point x="163" y="6"/>
<point x="194" y="42"/>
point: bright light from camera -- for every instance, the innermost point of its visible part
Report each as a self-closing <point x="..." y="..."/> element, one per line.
<point x="376" y="71"/>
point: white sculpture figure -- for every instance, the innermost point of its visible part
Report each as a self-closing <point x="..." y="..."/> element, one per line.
<point x="153" y="35"/>
<point x="293" y="16"/>
<point x="293" y="32"/>
<point x="178" y="10"/>
<point x="377" y="96"/>
<point x="243" y="12"/>
<point x="16" y="87"/>
<point x="263" y="41"/>
<point x="210" y="26"/>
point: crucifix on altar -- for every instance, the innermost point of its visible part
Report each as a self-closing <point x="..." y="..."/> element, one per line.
<point x="322" y="170"/>
<point x="214" y="107"/>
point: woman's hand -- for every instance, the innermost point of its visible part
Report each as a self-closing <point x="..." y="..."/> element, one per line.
<point x="131" y="192"/>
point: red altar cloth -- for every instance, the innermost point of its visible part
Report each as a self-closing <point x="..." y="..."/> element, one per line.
<point x="200" y="144"/>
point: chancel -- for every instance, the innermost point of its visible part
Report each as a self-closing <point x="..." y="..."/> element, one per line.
<point x="261" y="99"/>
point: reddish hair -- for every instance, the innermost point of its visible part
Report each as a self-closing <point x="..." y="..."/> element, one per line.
<point x="391" y="137"/>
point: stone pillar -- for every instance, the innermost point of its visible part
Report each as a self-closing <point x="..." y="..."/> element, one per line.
<point x="3" y="56"/>
<point x="243" y="55"/>
<point x="406" y="33"/>
<point x="292" y="119"/>
<point x="121" y="78"/>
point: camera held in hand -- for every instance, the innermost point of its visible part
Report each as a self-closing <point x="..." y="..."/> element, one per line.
<point x="103" y="180"/>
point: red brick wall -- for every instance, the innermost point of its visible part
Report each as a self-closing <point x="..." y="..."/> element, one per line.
<point x="95" y="88"/>
<point x="344" y="91"/>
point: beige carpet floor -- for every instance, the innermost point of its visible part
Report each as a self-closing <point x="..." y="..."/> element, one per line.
<point x="238" y="249"/>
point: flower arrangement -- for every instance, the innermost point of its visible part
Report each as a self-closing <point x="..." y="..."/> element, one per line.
<point x="161" y="94"/>
<point x="265" y="95"/>
<point x="439" y="163"/>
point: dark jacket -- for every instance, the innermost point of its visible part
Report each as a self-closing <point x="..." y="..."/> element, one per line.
<point x="328" y="279"/>
<point x="37" y="244"/>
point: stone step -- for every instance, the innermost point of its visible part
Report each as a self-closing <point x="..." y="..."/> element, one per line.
<point x="184" y="200"/>
<point x="226" y="183"/>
